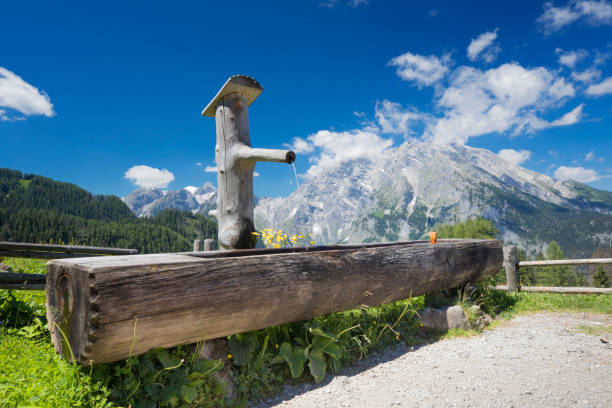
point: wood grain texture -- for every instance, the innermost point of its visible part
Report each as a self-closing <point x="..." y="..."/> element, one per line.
<point x="173" y="299"/>
<point x="511" y="265"/>
<point x="236" y="162"/>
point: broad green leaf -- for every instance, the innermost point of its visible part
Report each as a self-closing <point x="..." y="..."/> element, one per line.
<point x="334" y="350"/>
<point x="166" y="359"/>
<point x="319" y="343"/>
<point x="294" y="358"/>
<point x="317" y="366"/>
<point x="318" y="332"/>
<point x="188" y="392"/>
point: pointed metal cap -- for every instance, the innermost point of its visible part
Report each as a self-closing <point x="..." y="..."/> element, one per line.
<point x="236" y="83"/>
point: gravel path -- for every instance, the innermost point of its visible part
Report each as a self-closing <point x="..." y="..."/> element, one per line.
<point x="538" y="360"/>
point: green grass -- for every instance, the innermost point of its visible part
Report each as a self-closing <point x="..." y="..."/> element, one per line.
<point x="509" y="305"/>
<point x="594" y="330"/>
<point x="32" y="374"/>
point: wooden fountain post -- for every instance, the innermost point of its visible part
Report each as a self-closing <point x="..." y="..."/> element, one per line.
<point x="236" y="161"/>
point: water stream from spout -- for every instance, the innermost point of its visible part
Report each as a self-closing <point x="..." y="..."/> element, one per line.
<point x="295" y="173"/>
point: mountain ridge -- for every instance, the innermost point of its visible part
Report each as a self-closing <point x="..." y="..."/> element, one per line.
<point x="412" y="187"/>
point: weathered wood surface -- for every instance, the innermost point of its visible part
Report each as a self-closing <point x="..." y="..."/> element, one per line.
<point x="511" y="265"/>
<point x="23" y="286"/>
<point x="22" y="281"/>
<point x="172" y="299"/>
<point x="25" y="281"/>
<point x="16" y="277"/>
<point x="49" y="251"/>
<point x="559" y="289"/>
<point x="209" y="244"/>
<point x="590" y="261"/>
<point x="236" y="161"/>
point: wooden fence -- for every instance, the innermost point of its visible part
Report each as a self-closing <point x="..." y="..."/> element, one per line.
<point x="512" y="266"/>
<point x="29" y="281"/>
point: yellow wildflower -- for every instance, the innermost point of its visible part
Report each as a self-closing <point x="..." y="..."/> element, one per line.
<point x="229" y="356"/>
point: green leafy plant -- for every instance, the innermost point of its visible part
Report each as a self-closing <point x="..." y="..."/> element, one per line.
<point x="319" y="349"/>
<point x="164" y="378"/>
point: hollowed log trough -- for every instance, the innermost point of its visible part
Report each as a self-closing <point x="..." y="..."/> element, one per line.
<point x="111" y="308"/>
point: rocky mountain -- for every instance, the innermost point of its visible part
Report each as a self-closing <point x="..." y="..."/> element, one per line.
<point x="417" y="185"/>
<point x="405" y="193"/>
<point x="147" y="202"/>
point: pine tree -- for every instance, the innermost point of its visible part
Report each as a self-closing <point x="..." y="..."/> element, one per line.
<point x="601" y="278"/>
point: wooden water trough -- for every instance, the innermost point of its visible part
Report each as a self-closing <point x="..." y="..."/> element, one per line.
<point x="107" y="309"/>
<point x="111" y="308"/>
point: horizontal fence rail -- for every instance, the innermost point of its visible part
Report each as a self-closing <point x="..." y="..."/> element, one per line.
<point x="557" y="289"/>
<point x="29" y="281"/>
<point x="48" y="251"/>
<point x="512" y="265"/>
<point x="592" y="261"/>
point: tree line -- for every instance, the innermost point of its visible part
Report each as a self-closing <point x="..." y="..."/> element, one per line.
<point x="37" y="209"/>
<point x="29" y="191"/>
<point x="481" y="228"/>
<point x="170" y="231"/>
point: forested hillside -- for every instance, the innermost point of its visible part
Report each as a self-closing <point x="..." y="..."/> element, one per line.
<point x="20" y="191"/>
<point x="38" y="209"/>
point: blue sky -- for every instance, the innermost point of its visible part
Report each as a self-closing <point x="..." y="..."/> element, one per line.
<point x="90" y="90"/>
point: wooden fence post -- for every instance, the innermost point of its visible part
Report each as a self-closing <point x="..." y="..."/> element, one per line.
<point x="236" y="161"/>
<point x="208" y="244"/>
<point x="511" y="266"/>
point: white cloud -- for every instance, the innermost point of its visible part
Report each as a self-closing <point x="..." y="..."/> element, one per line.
<point x="300" y="145"/>
<point x="555" y="18"/>
<point x="569" y="118"/>
<point x="589" y="156"/>
<point x="145" y="176"/>
<point x="255" y="174"/>
<point x="210" y="169"/>
<point x="570" y="58"/>
<point x="602" y="88"/>
<point x="334" y="148"/>
<point x="516" y="157"/>
<point x="198" y="164"/>
<point x="17" y="94"/>
<point x="394" y="118"/>
<point x="502" y="99"/>
<point x="357" y="3"/>
<point x="576" y="173"/>
<point x="483" y="47"/>
<point x="424" y="70"/>
<point x="586" y="76"/>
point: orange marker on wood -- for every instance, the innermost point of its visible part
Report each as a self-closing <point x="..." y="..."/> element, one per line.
<point x="432" y="237"/>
